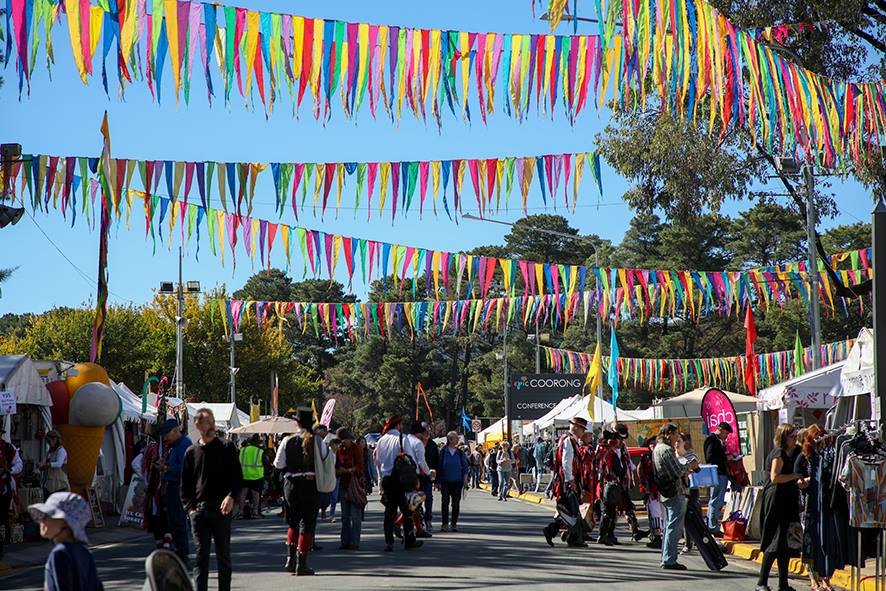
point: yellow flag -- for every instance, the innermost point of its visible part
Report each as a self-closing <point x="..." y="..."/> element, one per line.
<point x="592" y="381"/>
<point x="314" y="410"/>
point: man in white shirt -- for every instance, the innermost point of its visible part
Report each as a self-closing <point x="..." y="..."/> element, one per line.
<point x="391" y="445"/>
<point x="418" y="440"/>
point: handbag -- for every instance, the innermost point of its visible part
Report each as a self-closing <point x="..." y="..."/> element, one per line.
<point x="735" y="531"/>
<point x="324" y="468"/>
<point x="355" y="493"/>
<point x="795" y="536"/>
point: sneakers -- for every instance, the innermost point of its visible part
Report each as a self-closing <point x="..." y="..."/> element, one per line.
<point x="424" y="534"/>
<point x="444" y="528"/>
<point x="453" y="529"/>
<point x="654" y="544"/>
<point x="675" y="566"/>
<point x="389" y="547"/>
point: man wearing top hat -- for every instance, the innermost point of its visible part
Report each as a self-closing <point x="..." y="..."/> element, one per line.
<point x="567" y="486"/>
<point x="615" y="478"/>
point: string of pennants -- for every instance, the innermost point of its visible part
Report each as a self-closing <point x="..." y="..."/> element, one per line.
<point x="628" y="293"/>
<point x="682" y="374"/>
<point x="687" y="53"/>
<point x="357" y="321"/>
<point x="409" y="181"/>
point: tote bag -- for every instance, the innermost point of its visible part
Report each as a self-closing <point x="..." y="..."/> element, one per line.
<point x="324" y="467"/>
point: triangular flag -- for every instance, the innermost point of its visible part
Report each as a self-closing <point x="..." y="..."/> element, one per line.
<point x="592" y="381"/>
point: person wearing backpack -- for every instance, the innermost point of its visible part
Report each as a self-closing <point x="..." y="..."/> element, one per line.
<point x="399" y="475"/>
<point x="669" y="474"/>
<point x="453" y="478"/>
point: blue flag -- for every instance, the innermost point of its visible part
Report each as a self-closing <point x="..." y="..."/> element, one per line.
<point x="465" y="419"/>
<point x="613" y="369"/>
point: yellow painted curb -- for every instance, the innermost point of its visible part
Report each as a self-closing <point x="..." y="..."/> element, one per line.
<point x="528" y="497"/>
<point x="841" y="578"/>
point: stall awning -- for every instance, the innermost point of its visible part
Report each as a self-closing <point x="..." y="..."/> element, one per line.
<point x="810" y="390"/>
<point x="17" y="373"/>
<point x="689" y="404"/>
<point x="857" y="376"/>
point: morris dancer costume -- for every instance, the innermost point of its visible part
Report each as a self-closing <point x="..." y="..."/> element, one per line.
<point x="568" y="483"/>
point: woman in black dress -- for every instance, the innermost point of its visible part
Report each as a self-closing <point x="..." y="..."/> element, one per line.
<point x="781" y="508"/>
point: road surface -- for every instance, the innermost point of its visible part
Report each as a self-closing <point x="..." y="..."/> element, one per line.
<point x="499" y="545"/>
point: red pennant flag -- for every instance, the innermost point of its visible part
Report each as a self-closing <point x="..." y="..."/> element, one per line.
<point x="751" y="373"/>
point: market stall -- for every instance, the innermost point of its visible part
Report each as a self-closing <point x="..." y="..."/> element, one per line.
<point x="688" y="405"/>
<point x="227" y="417"/>
<point x="492" y="434"/>
<point x="548" y="419"/>
<point x="809" y="394"/>
<point x="30" y="416"/>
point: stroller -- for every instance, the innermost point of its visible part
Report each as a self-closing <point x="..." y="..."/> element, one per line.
<point x="164" y="571"/>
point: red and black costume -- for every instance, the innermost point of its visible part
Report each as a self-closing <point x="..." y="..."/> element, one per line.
<point x="654" y="510"/>
<point x="568" y="482"/>
<point x="614" y="480"/>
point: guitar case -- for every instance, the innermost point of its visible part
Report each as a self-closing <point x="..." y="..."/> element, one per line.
<point x="707" y="545"/>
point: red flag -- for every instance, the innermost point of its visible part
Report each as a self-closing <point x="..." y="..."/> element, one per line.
<point x="751" y="373"/>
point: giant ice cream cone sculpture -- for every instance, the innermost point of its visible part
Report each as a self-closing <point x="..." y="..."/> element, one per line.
<point x="93" y="405"/>
<point x="82" y="445"/>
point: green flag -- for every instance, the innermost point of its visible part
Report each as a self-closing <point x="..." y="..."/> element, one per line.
<point x="799" y="367"/>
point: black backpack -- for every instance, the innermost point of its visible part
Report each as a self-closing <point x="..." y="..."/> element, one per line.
<point x="405" y="469"/>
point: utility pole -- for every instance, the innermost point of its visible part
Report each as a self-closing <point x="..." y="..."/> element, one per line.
<point x="812" y="268"/>
<point x="234" y="338"/>
<point x="599" y="332"/>
<point x="878" y="228"/>
<point x="507" y="398"/>
<point x="179" y="334"/>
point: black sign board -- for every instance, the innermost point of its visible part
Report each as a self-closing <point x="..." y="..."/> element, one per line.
<point x="532" y="396"/>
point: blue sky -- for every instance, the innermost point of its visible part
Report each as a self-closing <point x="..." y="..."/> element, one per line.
<point x="62" y="116"/>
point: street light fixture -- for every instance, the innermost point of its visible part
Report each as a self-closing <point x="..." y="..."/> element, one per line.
<point x="179" y="289"/>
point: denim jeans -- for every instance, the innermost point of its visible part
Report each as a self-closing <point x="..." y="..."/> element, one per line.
<point x="351" y="523"/>
<point x="177" y="519"/>
<point x="675" y="512"/>
<point x="210" y="525"/>
<point x="492" y="477"/>
<point x="427" y="487"/>
<point x="715" y="506"/>
<point x="475" y="476"/>
<point x="504" y="483"/>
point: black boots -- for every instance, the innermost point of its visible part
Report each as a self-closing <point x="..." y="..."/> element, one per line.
<point x="290" y="560"/>
<point x="301" y="566"/>
<point x="550" y="531"/>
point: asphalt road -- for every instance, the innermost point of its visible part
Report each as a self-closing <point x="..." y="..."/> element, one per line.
<point x="499" y="544"/>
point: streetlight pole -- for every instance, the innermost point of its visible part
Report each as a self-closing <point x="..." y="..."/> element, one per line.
<point x="878" y="229"/>
<point x="179" y="334"/>
<point x="812" y="268"/>
<point x="234" y="337"/>
<point x="599" y="316"/>
<point x="507" y="397"/>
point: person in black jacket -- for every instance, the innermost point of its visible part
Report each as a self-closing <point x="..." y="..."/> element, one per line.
<point x="210" y="481"/>
<point x="715" y="453"/>
<point x="432" y="457"/>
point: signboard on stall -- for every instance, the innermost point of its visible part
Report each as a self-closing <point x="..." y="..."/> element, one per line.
<point x="532" y="396"/>
<point x="133" y="507"/>
<point x="476" y="426"/>
<point x="7" y="402"/>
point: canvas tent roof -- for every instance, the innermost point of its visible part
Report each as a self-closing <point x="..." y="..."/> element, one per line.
<point x="18" y="373"/>
<point x="548" y="419"/>
<point x="810" y="390"/>
<point x="857" y="376"/>
<point x="493" y="432"/>
<point x="227" y="416"/>
<point x="132" y="404"/>
<point x="689" y="404"/>
<point x="603" y="412"/>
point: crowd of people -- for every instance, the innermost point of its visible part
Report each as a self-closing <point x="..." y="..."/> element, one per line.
<point x="202" y="485"/>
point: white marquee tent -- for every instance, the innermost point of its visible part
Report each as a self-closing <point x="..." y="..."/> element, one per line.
<point x="688" y="405"/>
<point x="810" y="390"/>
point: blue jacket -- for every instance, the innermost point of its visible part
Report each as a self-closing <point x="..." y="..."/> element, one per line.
<point x="453" y="467"/>
<point x="176" y="457"/>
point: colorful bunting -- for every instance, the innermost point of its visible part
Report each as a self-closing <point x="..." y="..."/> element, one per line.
<point x="288" y="177"/>
<point x="693" y="58"/>
<point x="678" y="375"/>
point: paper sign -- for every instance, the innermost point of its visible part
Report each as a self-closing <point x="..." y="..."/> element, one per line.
<point x="326" y="418"/>
<point x="7" y="402"/>
<point x="716" y="408"/>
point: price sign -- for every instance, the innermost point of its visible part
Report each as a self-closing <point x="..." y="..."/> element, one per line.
<point x="7" y="402"/>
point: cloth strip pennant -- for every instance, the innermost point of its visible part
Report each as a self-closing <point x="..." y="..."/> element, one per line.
<point x="631" y="293"/>
<point x="678" y="375"/>
<point x="703" y="69"/>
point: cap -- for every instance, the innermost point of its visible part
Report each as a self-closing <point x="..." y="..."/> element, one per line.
<point x="168" y="426"/>
<point x="68" y="506"/>
<point x="579" y="421"/>
<point x="726" y="427"/>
